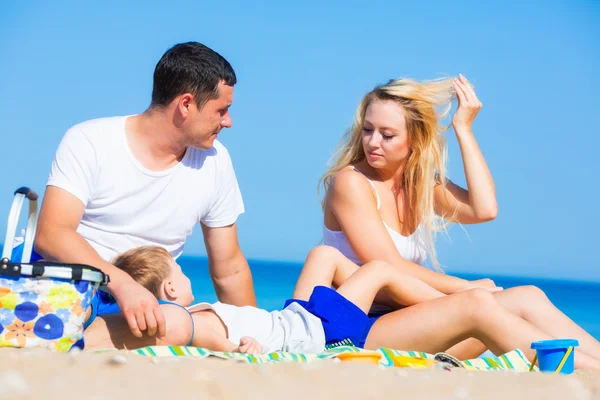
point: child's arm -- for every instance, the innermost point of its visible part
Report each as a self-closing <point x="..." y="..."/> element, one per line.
<point x="249" y="345"/>
<point x="207" y="337"/>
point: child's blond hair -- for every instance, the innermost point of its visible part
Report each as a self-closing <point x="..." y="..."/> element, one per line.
<point x="148" y="265"/>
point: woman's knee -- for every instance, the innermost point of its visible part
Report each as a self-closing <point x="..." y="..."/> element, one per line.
<point x="525" y="295"/>
<point x="532" y="292"/>
<point x="478" y="303"/>
<point x="381" y="268"/>
<point x="324" y="252"/>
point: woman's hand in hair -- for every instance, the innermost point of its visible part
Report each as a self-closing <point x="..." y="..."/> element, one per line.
<point x="477" y="203"/>
<point x="468" y="105"/>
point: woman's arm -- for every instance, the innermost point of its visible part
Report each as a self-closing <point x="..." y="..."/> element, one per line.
<point x="350" y="198"/>
<point x="478" y="203"/>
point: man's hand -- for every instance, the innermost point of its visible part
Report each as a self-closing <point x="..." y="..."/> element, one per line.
<point x="249" y="345"/>
<point x="57" y="240"/>
<point x="140" y="308"/>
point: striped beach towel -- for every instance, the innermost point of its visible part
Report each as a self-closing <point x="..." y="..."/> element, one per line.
<point x="514" y="360"/>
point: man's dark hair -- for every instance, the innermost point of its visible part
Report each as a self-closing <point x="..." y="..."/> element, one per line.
<point x="190" y="68"/>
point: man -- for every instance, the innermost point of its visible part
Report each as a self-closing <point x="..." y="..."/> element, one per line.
<point x="147" y="179"/>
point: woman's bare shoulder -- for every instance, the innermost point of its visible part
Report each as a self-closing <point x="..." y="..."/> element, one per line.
<point x="348" y="179"/>
<point x="350" y="185"/>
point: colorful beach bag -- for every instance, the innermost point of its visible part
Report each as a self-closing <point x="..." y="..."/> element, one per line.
<point x="42" y="304"/>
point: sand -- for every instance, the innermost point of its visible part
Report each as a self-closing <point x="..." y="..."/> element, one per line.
<point x="41" y="374"/>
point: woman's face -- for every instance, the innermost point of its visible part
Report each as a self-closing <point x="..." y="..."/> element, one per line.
<point x="384" y="135"/>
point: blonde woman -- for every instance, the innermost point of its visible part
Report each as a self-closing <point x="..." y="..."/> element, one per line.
<point x="387" y="196"/>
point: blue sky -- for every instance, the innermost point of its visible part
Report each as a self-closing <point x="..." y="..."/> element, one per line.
<point x="302" y="69"/>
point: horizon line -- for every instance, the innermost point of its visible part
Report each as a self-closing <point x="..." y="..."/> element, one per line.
<point x="450" y="271"/>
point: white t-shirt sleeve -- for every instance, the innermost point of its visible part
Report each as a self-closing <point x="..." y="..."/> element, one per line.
<point x="227" y="204"/>
<point x="74" y="168"/>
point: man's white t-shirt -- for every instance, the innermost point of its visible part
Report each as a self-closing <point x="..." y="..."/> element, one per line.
<point x="127" y="205"/>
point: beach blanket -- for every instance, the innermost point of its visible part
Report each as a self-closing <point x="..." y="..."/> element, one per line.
<point x="514" y="360"/>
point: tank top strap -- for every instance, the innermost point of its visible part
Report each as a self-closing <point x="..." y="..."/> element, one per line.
<point x="372" y="185"/>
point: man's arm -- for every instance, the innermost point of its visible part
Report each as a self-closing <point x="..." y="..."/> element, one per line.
<point x="57" y="240"/>
<point x="228" y="267"/>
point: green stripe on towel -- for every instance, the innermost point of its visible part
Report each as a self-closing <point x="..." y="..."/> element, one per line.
<point x="514" y="360"/>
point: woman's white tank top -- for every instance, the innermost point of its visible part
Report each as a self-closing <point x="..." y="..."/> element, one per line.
<point x="411" y="248"/>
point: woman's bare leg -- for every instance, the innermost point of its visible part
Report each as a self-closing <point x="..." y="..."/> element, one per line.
<point x="439" y="324"/>
<point x="324" y="266"/>
<point x="532" y="304"/>
<point x="467" y="349"/>
<point x="327" y="266"/>
<point x="363" y="285"/>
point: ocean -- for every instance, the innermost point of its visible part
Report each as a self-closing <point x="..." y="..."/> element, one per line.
<point x="274" y="283"/>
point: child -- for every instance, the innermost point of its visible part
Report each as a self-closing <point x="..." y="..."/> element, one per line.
<point x="318" y="316"/>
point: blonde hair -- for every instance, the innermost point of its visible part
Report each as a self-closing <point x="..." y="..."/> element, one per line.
<point x="426" y="104"/>
<point x="148" y="265"/>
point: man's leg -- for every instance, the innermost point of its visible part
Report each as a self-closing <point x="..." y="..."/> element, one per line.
<point x="112" y="331"/>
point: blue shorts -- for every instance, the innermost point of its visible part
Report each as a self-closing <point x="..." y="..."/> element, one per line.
<point x="102" y="303"/>
<point x="342" y="320"/>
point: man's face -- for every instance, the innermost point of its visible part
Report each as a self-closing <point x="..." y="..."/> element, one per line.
<point x="205" y="124"/>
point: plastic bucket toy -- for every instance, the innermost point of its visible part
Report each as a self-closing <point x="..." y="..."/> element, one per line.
<point x="555" y="355"/>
